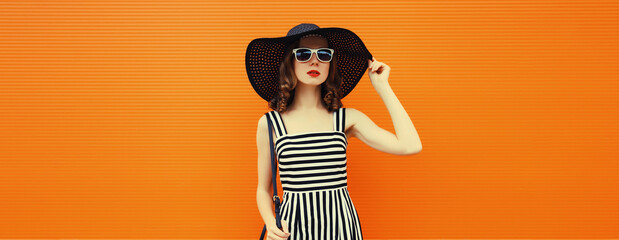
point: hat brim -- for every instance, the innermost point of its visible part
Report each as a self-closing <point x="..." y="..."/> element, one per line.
<point x="264" y="56"/>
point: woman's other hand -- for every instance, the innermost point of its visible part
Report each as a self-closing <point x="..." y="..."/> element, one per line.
<point x="378" y="72"/>
<point x="275" y="233"/>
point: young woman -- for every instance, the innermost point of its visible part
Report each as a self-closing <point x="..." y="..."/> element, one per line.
<point x="304" y="76"/>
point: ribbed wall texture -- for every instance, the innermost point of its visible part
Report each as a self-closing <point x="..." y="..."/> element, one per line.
<point x="135" y="119"/>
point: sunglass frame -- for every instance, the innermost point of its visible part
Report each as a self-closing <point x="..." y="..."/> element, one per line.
<point x="294" y="52"/>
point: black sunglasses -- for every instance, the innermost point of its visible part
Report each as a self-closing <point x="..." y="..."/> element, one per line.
<point x="305" y="54"/>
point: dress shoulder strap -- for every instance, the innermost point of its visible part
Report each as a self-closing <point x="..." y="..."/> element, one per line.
<point x="278" y="124"/>
<point x="339" y="120"/>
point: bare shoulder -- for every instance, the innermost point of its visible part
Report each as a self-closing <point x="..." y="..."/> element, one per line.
<point x="262" y="124"/>
<point x="263" y="120"/>
<point x="353" y="116"/>
<point x="263" y="128"/>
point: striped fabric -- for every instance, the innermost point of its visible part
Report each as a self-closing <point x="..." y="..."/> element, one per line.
<point x="312" y="169"/>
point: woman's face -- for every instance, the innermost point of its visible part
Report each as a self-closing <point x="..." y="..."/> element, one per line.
<point x="301" y="68"/>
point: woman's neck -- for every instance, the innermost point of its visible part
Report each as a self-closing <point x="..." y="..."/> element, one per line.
<point x="307" y="98"/>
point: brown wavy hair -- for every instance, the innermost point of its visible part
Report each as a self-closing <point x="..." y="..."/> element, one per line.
<point x="331" y="92"/>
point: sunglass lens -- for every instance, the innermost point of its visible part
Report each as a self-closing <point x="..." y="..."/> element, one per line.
<point x="303" y="54"/>
<point x="324" y="55"/>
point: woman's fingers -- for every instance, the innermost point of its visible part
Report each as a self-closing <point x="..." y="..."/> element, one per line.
<point x="276" y="233"/>
<point x="374" y="65"/>
<point x="371" y="66"/>
<point x="285" y="227"/>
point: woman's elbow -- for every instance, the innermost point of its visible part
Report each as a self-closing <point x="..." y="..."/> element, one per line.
<point x="413" y="150"/>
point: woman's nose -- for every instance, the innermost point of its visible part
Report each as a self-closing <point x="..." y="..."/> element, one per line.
<point x="314" y="58"/>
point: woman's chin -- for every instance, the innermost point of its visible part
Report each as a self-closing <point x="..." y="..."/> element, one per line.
<point x="312" y="80"/>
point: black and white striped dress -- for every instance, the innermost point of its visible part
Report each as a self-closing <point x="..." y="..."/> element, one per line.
<point x="312" y="169"/>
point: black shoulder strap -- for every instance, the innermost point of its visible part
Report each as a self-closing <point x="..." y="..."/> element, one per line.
<point x="277" y="202"/>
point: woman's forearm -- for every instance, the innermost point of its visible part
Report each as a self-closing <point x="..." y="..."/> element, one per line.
<point x="402" y="123"/>
<point x="265" y="206"/>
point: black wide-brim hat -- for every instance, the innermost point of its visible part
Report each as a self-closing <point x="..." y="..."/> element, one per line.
<point x="264" y="56"/>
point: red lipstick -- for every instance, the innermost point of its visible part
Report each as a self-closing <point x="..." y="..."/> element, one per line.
<point x="313" y="73"/>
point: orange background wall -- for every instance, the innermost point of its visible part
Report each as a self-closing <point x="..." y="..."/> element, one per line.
<point x="135" y="119"/>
